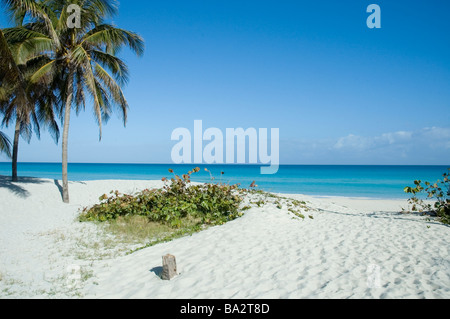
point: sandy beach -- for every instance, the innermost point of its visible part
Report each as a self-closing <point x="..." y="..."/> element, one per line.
<point x="353" y="248"/>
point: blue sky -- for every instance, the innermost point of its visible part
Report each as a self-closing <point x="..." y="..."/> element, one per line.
<point x="339" y="92"/>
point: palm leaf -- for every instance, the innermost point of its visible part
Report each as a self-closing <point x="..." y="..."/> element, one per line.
<point x="112" y="63"/>
<point x="43" y="73"/>
<point x="45" y="114"/>
<point x="5" y="145"/>
<point x="93" y="88"/>
<point x="103" y="8"/>
<point x="114" y="90"/>
<point x="9" y="71"/>
<point x="114" y="38"/>
<point x="32" y="48"/>
<point x="36" y="9"/>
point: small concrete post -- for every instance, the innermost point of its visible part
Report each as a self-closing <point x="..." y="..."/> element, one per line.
<point x="169" y="267"/>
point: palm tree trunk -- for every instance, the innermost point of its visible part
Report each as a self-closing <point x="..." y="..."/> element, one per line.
<point x="15" y="151"/>
<point x="65" y="140"/>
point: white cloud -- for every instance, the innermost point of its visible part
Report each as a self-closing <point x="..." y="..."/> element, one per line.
<point x="427" y="146"/>
<point x="436" y="137"/>
<point x="354" y="142"/>
<point x="397" y="137"/>
<point x="362" y="143"/>
<point x="428" y="137"/>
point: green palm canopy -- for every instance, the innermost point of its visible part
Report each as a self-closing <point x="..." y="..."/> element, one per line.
<point x="81" y="62"/>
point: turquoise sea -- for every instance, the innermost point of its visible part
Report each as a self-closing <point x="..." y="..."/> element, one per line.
<point x="352" y="181"/>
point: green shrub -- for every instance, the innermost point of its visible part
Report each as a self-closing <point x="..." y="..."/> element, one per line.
<point x="177" y="204"/>
<point x="439" y="192"/>
<point x="180" y="208"/>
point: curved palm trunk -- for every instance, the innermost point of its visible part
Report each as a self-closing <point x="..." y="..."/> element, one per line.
<point x="15" y="151"/>
<point x="65" y="140"/>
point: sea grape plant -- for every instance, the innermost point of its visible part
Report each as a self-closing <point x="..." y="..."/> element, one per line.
<point x="178" y="202"/>
<point x="439" y="192"/>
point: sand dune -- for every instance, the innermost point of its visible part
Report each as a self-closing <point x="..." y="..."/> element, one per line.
<point x="353" y="248"/>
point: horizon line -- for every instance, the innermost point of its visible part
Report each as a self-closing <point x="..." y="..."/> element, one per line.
<point x="224" y="164"/>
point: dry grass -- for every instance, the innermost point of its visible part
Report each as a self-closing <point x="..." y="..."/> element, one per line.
<point x="137" y="229"/>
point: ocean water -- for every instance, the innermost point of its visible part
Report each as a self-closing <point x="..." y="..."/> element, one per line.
<point x="352" y="181"/>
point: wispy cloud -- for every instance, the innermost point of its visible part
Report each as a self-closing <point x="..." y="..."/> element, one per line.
<point x="430" y="145"/>
<point x="434" y="137"/>
<point x="362" y="143"/>
<point x="437" y="137"/>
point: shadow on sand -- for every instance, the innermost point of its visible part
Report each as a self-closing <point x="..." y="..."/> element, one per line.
<point x="60" y="188"/>
<point x="16" y="188"/>
<point x="392" y="215"/>
<point x="157" y="271"/>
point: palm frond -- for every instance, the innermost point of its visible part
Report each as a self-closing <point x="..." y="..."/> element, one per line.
<point x="45" y="114"/>
<point x="94" y="90"/>
<point x="80" y="97"/>
<point x="25" y="44"/>
<point x="103" y="8"/>
<point x="5" y="145"/>
<point x="30" y="6"/>
<point x="113" y="39"/>
<point x="9" y="72"/>
<point x="37" y="10"/>
<point x="26" y="131"/>
<point x="114" y="91"/>
<point x="118" y="68"/>
<point x="12" y="76"/>
<point x="44" y="72"/>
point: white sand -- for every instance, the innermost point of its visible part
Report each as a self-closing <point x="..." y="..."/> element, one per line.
<point x="353" y="248"/>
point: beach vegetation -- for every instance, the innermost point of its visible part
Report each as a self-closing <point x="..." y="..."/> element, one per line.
<point x="137" y="228"/>
<point x="5" y="72"/>
<point x="82" y="59"/>
<point x="437" y="198"/>
<point x="179" y="204"/>
<point x="23" y="103"/>
<point x="260" y="198"/>
<point x="180" y="208"/>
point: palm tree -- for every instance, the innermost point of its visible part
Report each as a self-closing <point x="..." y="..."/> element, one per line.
<point x="20" y="98"/>
<point x="83" y="61"/>
<point x="5" y="70"/>
<point x="10" y="73"/>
